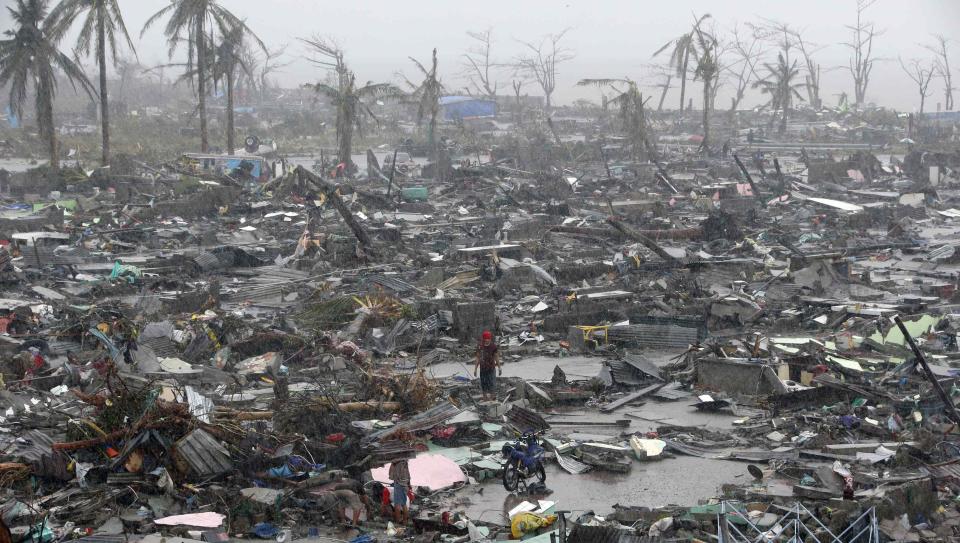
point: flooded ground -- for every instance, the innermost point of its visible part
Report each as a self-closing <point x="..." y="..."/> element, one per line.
<point x="679" y="480"/>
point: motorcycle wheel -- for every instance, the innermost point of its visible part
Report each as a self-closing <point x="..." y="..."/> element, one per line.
<point x="541" y="473"/>
<point x="511" y="478"/>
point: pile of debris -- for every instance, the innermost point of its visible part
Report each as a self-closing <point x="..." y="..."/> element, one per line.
<point x="192" y="355"/>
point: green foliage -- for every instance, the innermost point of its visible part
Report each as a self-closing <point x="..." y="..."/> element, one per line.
<point x="29" y="56"/>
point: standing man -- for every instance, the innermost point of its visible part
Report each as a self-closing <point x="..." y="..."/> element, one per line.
<point x="488" y="362"/>
<point x="400" y="475"/>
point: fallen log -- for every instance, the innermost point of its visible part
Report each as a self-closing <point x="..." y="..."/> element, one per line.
<point x="87" y="443"/>
<point x="331" y="193"/>
<point x="644" y="240"/>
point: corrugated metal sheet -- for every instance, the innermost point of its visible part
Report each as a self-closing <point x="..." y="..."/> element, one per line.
<point x="269" y="282"/>
<point x="32" y="448"/>
<point x="200" y="405"/>
<point x="161" y="346"/>
<point x="207" y="262"/>
<point x="607" y="534"/>
<point x="40" y="256"/>
<point x="205" y="455"/>
<point x="946" y="470"/>
<point x="392" y="284"/>
<point x="36" y="448"/>
<point x="423" y="421"/>
<point x="623" y="373"/>
<point x="643" y="365"/>
<point x="525" y="420"/>
<point x="572" y="465"/>
<point x="658" y="333"/>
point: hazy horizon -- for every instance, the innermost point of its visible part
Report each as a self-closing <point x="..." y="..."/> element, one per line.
<point x="610" y="38"/>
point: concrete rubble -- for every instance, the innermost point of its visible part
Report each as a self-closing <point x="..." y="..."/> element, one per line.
<point x="708" y="346"/>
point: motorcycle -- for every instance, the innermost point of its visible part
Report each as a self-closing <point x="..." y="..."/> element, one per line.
<point x="523" y="460"/>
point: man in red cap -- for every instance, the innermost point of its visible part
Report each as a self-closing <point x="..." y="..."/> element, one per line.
<point x="488" y="361"/>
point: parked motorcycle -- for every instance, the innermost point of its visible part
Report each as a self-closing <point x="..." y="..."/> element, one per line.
<point x="523" y="461"/>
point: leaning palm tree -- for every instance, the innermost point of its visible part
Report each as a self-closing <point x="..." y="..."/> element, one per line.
<point x="29" y="54"/>
<point x="427" y="97"/>
<point x="100" y="28"/>
<point x="188" y="23"/>
<point x="684" y="47"/>
<point x="780" y="87"/>
<point x="350" y="101"/>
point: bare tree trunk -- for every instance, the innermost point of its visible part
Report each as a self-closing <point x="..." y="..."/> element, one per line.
<point x="46" y="112"/>
<point x="818" y="103"/>
<point x="663" y="93"/>
<point x="706" y="117"/>
<point x="517" y="85"/>
<point x="104" y="106"/>
<point x="683" y="82"/>
<point x="432" y="135"/>
<point x="230" y="135"/>
<point x="783" y="119"/>
<point x="345" y="147"/>
<point x="202" y="84"/>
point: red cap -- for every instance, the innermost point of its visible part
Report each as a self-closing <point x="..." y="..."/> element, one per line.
<point x="487" y="335"/>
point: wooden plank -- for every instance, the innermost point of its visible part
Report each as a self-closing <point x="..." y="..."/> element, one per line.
<point x="630" y="398"/>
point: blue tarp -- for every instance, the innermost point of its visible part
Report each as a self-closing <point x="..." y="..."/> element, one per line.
<point x="12" y="118"/>
<point x="462" y="107"/>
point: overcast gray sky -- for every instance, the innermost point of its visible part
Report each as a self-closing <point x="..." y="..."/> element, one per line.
<point x="611" y="38"/>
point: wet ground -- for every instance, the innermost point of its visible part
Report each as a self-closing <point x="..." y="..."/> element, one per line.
<point x="678" y="480"/>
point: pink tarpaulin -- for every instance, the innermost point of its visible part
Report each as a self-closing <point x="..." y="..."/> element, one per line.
<point x="200" y="520"/>
<point x="430" y="470"/>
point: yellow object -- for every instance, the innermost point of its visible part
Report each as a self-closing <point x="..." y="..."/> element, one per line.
<point x="589" y="330"/>
<point x="523" y="523"/>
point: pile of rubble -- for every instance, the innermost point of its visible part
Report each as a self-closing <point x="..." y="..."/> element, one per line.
<point x="204" y="356"/>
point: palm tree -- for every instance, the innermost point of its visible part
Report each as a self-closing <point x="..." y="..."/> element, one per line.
<point x="427" y="97"/>
<point x="684" y="47"/>
<point x="707" y="69"/>
<point x="29" y="54"/>
<point x="349" y="99"/>
<point x="188" y="24"/>
<point x="227" y="59"/>
<point x="100" y="28"/>
<point x="780" y="87"/>
<point x="632" y="115"/>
